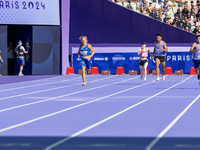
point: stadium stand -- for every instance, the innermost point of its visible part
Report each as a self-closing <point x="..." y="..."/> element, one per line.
<point x="179" y="13"/>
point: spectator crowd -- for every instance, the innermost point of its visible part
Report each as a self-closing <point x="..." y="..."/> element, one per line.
<point x="181" y="14"/>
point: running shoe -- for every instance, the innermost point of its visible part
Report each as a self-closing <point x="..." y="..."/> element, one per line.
<point x="21" y="74"/>
<point x="163" y="77"/>
<point x="157" y="79"/>
<point x="141" y="76"/>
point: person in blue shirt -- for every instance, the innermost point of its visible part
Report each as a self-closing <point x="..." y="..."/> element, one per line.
<point x="195" y="50"/>
<point x="85" y="52"/>
<point x="180" y="17"/>
<point x="159" y="17"/>
<point x="160" y="49"/>
<point x="177" y="13"/>
<point x="141" y="3"/>
<point x="153" y="14"/>
<point x="181" y="25"/>
<point x="20" y="50"/>
<point x="167" y="19"/>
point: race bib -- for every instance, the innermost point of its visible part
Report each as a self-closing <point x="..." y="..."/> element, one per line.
<point x="84" y="53"/>
<point x="144" y="54"/>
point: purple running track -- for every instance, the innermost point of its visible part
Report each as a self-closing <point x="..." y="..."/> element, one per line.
<point x="35" y="115"/>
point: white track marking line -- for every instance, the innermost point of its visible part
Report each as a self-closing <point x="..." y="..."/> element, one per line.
<point x="47" y="90"/>
<point x="171" y="125"/>
<point x="39" y="84"/>
<point x="108" y="118"/>
<point x="19" y="106"/>
<point x="30" y="81"/>
<point x="70" y="108"/>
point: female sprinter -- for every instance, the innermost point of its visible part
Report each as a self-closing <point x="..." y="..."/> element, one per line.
<point x="143" y="52"/>
<point x="86" y="51"/>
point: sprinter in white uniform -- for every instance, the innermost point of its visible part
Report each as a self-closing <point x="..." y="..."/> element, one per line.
<point x="143" y="52"/>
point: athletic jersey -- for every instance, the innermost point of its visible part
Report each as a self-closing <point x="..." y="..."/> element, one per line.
<point x="159" y="52"/>
<point x="196" y="55"/>
<point x="85" y="51"/>
<point x="20" y="51"/>
<point x="165" y="7"/>
<point x="144" y="53"/>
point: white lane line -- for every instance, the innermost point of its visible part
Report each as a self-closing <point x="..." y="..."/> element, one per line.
<point x="17" y="88"/>
<point x="56" y="88"/>
<point x="31" y="81"/>
<point x="19" y="106"/>
<point x="70" y="108"/>
<point x="108" y="118"/>
<point x="171" y="125"/>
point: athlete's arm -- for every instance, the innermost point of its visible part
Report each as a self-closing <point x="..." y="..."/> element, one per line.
<point x="192" y="49"/>
<point x="139" y="51"/>
<point x="91" y="48"/>
<point x="165" y="47"/>
<point x="149" y="52"/>
<point x="153" y="53"/>
<point x="79" y="51"/>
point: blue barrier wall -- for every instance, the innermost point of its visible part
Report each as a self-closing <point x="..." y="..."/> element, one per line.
<point x="130" y="61"/>
<point x="106" y="22"/>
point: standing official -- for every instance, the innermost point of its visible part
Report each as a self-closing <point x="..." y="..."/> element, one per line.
<point x="20" y="50"/>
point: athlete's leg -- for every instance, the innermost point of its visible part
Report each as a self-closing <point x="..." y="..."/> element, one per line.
<point x="163" y="70"/>
<point x="88" y="71"/>
<point x="145" y="71"/>
<point x="141" y="71"/>
<point x="197" y="70"/>
<point x="89" y="66"/>
<point x="83" y="74"/>
<point x="21" y="67"/>
<point x="157" y="67"/>
<point x="83" y="67"/>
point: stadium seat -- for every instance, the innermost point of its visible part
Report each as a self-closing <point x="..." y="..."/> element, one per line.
<point x="192" y="71"/>
<point x="175" y="9"/>
<point x="168" y="71"/>
<point x="70" y="70"/>
<point x="133" y="5"/>
<point x="125" y="4"/>
<point x="120" y="70"/>
<point x="94" y="70"/>
<point x="119" y="3"/>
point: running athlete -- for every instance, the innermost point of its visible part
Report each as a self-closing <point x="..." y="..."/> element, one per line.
<point x="143" y="52"/>
<point x="160" y="49"/>
<point x="86" y="51"/>
<point x="195" y="50"/>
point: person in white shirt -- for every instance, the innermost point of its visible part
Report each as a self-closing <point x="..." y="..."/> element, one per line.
<point x="158" y="6"/>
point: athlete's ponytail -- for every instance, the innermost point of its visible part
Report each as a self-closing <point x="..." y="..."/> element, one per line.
<point x="80" y="38"/>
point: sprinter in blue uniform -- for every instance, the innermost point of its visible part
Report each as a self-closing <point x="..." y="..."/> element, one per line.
<point x="86" y="51"/>
<point x="195" y="50"/>
<point x="160" y="49"/>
